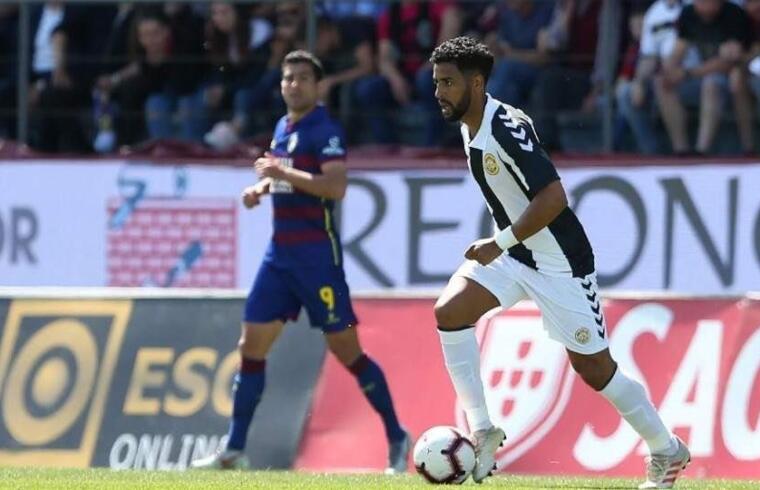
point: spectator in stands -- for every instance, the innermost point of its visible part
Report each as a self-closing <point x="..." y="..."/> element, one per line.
<point x="342" y="9"/>
<point x="634" y="95"/>
<point x="187" y="33"/>
<point x="259" y="90"/>
<point x="345" y="48"/>
<point x="229" y="45"/>
<point x="518" y="59"/>
<point x="164" y="75"/>
<point x="753" y="57"/>
<point x="176" y="99"/>
<point x="571" y="38"/>
<point x="67" y="40"/>
<point x="118" y="113"/>
<point x="480" y="20"/>
<point x="8" y="69"/>
<point x="719" y="31"/>
<point x="407" y="33"/>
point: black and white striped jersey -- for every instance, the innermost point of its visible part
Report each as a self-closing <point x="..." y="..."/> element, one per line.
<point x="510" y="166"/>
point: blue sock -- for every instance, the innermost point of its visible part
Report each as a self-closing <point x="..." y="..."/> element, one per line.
<point x="375" y="388"/>
<point x="249" y="384"/>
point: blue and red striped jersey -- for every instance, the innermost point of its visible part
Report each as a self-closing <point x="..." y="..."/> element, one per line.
<point x="304" y="228"/>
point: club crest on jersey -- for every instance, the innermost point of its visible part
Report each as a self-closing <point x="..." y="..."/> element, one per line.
<point x="526" y="377"/>
<point x="491" y="164"/>
<point x="582" y="335"/>
<point x="292" y="142"/>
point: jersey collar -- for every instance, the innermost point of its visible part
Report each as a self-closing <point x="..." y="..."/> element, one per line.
<point x="480" y="139"/>
<point x="311" y="115"/>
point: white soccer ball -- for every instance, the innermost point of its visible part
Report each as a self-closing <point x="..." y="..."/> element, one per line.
<point x="444" y="455"/>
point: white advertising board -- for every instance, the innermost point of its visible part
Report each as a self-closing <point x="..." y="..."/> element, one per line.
<point x="84" y="223"/>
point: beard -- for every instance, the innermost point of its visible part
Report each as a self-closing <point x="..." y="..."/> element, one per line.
<point x="458" y="110"/>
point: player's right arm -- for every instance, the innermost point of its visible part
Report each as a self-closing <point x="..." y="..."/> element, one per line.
<point x="518" y="147"/>
<point x="252" y="194"/>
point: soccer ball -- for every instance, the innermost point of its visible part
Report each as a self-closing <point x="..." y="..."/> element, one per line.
<point x="444" y="455"/>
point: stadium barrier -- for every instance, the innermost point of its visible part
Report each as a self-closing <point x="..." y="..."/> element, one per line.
<point x="699" y="359"/>
<point x="681" y="227"/>
<point x="139" y="379"/>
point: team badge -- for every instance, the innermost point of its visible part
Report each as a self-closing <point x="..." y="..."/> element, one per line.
<point x="292" y="142"/>
<point x="582" y="335"/>
<point x="491" y="165"/>
<point x="527" y="379"/>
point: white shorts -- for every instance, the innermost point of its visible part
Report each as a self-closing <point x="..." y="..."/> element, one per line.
<point x="570" y="306"/>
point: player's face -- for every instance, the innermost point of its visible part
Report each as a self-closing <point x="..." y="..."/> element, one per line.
<point x="299" y="86"/>
<point x="452" y="89"/>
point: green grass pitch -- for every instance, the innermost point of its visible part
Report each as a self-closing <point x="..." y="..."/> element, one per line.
<point x="43" y="478"/>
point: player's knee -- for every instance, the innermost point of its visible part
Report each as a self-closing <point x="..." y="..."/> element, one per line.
<point x="446" y="315"/>
<point x="589" y="374"/>
<point x="346" y="354"/>
<point x="250" y="348"/>
<point x="595" y="371"/>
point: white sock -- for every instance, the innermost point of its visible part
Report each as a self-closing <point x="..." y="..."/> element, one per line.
<point x="630" y="399"/>
<point x="462" y="355"/>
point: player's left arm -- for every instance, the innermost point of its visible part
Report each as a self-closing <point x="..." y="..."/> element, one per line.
<point x="330" y="184"/>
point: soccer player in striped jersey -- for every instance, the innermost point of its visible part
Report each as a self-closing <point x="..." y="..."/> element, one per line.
<point x="539" y="251"/>
<point x="304" y="172"/>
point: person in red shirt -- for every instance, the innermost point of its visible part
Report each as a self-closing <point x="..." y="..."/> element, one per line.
<point x="407" y="32"/>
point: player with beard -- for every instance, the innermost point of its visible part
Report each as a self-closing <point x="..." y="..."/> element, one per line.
<point x="540" y="252"/>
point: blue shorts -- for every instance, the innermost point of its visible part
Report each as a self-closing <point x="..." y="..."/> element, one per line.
<point x="279" y="293"/>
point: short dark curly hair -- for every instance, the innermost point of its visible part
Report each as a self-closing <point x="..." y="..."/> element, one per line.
<point x="467" y="53"/>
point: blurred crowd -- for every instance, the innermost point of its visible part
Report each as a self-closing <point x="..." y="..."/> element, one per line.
<point x="107" y="75"/>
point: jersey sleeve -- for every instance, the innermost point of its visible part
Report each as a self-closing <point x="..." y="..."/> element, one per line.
<point x="330" y="144"/>
<point x="521" y="152"/>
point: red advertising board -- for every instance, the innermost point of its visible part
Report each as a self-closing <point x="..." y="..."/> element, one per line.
<point x="699" y="359"/>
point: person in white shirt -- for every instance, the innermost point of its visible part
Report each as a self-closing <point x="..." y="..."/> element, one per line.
<point x="634" y="97"/>
<point x="719" y="33"/>
<point x="540" y="251"/>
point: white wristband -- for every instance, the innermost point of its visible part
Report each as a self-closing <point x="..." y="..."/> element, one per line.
<point x="506" y="239"/>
